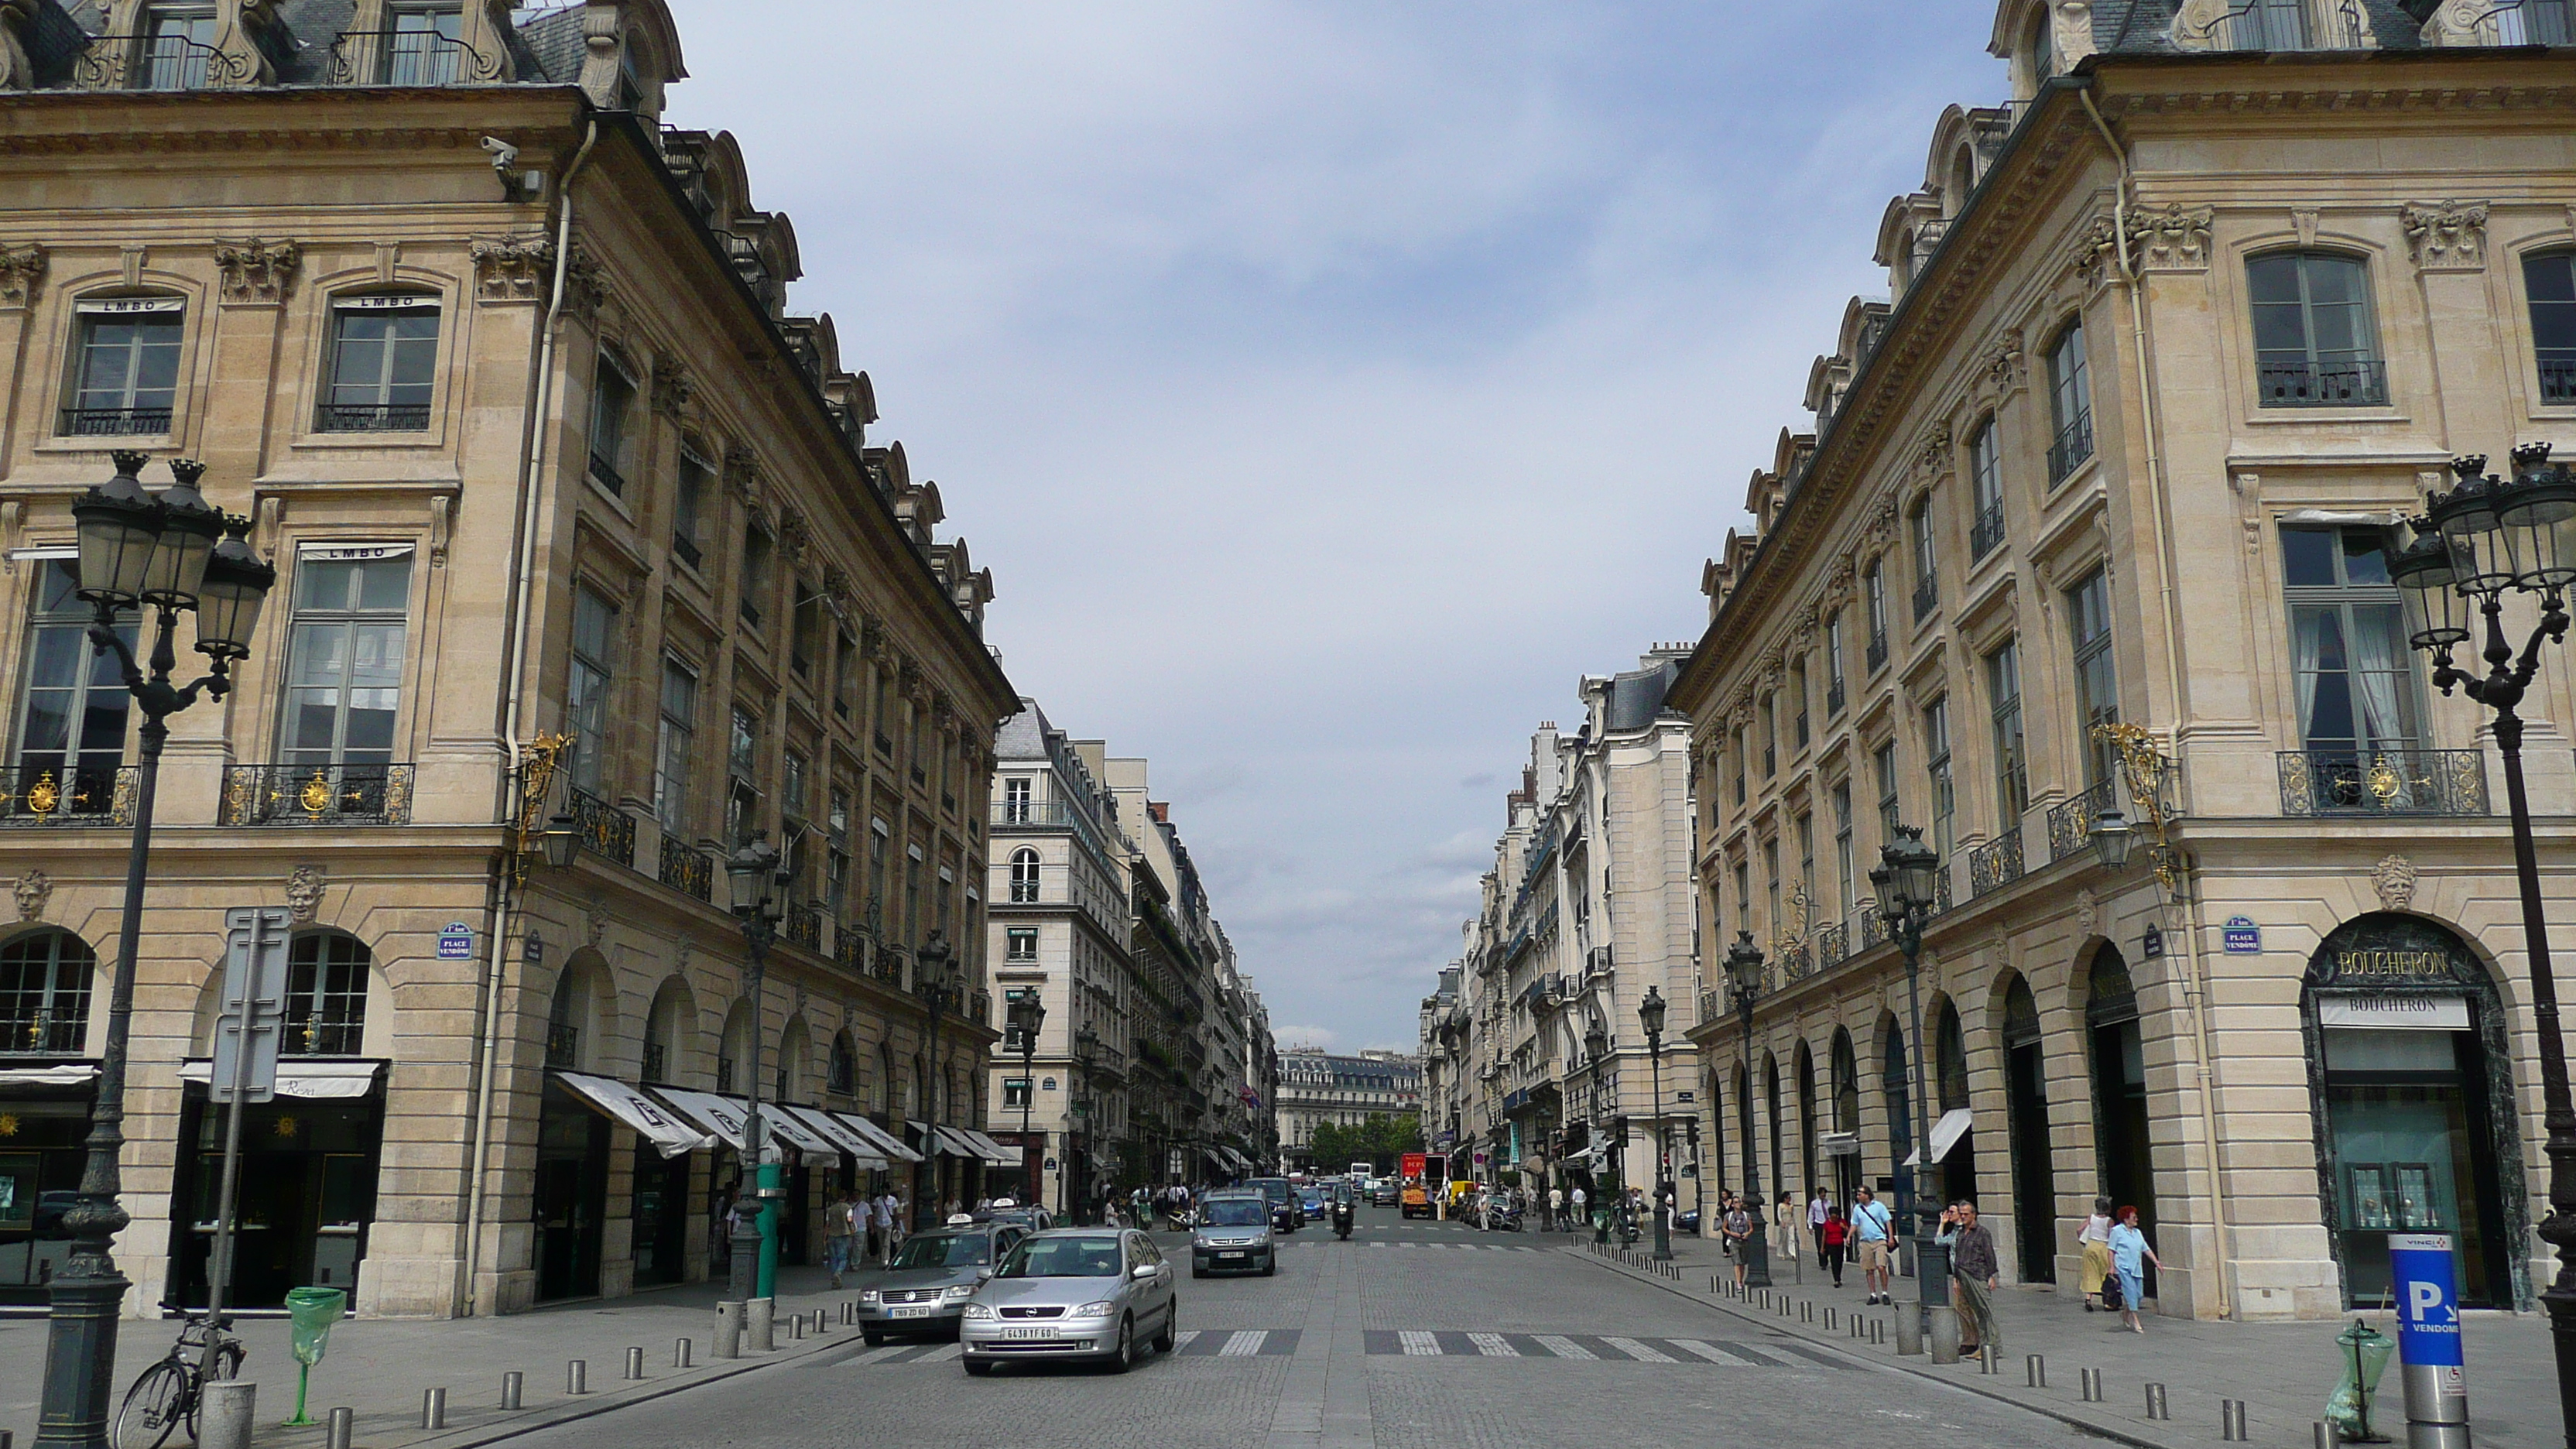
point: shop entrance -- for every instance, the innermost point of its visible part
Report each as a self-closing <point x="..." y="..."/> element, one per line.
<point x="306" y="1196"/>
<point x="572" y="1195"/>
<point x="2034" y="1174"/>
<point x="2406" y="1047"/>
<point x="2122" y="1145"/>
<point x="661" y="1215"/>
<point x="40" y="1171"/>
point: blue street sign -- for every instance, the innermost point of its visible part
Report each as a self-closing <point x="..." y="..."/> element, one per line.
<point x="2242" y="936"/>
<point x="456" y="943"/>
<point x="2428" y="1299"/>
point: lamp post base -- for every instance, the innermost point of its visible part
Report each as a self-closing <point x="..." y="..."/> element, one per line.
<point x="80" y="1361"/>
<point x="1757" y="1256"/>
<point x="1663" y="1234"/>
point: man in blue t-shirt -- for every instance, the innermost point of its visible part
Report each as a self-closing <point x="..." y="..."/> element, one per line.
<point x="1874" y="1226"/>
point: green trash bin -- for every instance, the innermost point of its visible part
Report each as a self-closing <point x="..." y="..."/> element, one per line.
<point x="312" y="1311"/>
<point x="2365" y="1352"/>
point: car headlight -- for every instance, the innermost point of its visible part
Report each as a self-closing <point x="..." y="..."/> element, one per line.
<point x="867" y="1295"/>
<point x="1095" y="1310"/>
<point x="962" y="1290"/>
<point x="977" y="1310"/>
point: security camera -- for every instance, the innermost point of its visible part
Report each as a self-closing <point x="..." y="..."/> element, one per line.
<point x="504" y="155"/>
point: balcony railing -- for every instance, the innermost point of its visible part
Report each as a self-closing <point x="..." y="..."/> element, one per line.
<point x="154" y="63"/>
<point x="38" y="795"/>
<point x="1927" y="596"/>
<point x="563" y="1047"/>
<point x="317" y="795"/>
<point x="2383" y="782"/>
<point x="612" y="479"/>
<point x="1834" y="699"/>
<point x="2557" y="375"/>
<point x="603" y="829"/>
<point x="2070" y="824"/>
<point x="333" y="1032"/>
<point x="372" y="418"/>
<point x="657" y="1062"/>
<point x="1832" y="946"/>
<point x="686" y="548"/>
<point x="406" y="58"/>
<point x="2073" y="444"/>
<point x="42" y="1032"/>
<point x="1995" y="864"/>
<point x="687" y="870"/>
<point x="1795" y="961"/>
<point x="2298" y="383"/>
<point x="1877" y="652"/>
<point x="805" y="925"/>
<point x="115" y="422"/>
<point x="1873" y="929"/>
<point x="1988" y="531"/>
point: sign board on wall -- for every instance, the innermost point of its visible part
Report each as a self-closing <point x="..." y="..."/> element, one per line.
<point x="456" y="942"/>
<point x="2415" y="1010"/>
<point x="2153" y="945"/>
<point x="2241" y="936"/>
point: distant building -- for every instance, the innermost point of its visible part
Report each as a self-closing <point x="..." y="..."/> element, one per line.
<point x="1318" y="1087"/>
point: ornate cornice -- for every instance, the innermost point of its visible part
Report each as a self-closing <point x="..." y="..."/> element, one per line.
<point x="512" y="268"/>
<point x="22" y="272"/>
<point x="671" y="386"/>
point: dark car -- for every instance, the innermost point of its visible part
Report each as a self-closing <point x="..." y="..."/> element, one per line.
<point x="1386" y="1193"/>
<point x="932" y="1276"/>
<point x="1287" y="1214"/>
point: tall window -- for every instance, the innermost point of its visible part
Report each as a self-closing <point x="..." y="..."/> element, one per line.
<point x="1770" y="736"/>
<point x="1798" y="701"/>
<point x="44" y="993"/>
<point x="689" y="508"/>
<point x="1986" y="487"/>
<point x="1015" y="800"/>
<point x="1927" y="564"/>
<point x="1834" y="663"/>
<point x="178" y="43"/>
<point x="1936" y="746"/>
<point x="1806" y="871"/>
<point x="1777" y="923"/>
<point x="125" y="362"/>
<point x="2315" y="344"/>
<point x="836" y="866"/>
<point x="1020" y="943"/>
<point x="2356" y="675"/>
<point x="753" y="580"/>
<point x="612" y="402"/>
<point x="2268" y="25"/>
<point x="880" y="861"/>
<point x="326" y="995"/>
<point x="345" y="656"/>
<point x="2551" y="281"/>
<point x="2535" y="22"/>
<point x="1024" y="876"/>
<point x="424" y="44"/>
<point x="2070" y="403"/>
<point x="678" y="734"/>
<point x="384" y="360"/>
<point x="1873" y="582"/>
<point x="1739" y="767"/>
<point x="71" y="722"/>
<point x="1843" y="899"/>
<point x="912" y="919"/>
<point x="1883" y="764"/>
<point x="1744" y="895"/>
<point x="742" y="777"/>
<point x="845" y="675"/>
<point x="594" y="626"/>
<point x="2012" y="771"/>
<point x="2097" y="694"/>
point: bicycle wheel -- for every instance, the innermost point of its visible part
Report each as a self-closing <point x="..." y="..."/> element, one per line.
<point x="153" y="1407"/>
<point x="227" y="1365"/>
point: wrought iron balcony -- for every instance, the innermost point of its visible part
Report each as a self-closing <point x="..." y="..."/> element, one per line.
<point x="2383" y="782"/>
<point x="1877" y="653"/>
<point x="155" y="63"/>
<point x="316" y="795"/>
<point x="39" y="1031"/>
<point x="1795" y="961"/>
<point x="2300" y="383"/>
<point x="407" y="58"/>
<point x="1988" y="531"/>
<point x="114" y="422"/>
<point x="2070" y="824"/>
<point x="2073" y="444"/>
<point x="1995" y="864"/>
<point x="1834" y="699"/>
<point x="1927" y="596"/>
<point x="804" y="925"/>
<point x="372" y="418"/>
<point x="2557" y="375"/>
<point x="37" y="794"/>
<point x="608" y="476"/>
<point x="1873" y="929"/>
<point x="563" y="1046"/>
<point x="686" y="548"/>
<point x="687" y="870"/>
<point x="1832" y="946"/>
<point x="602" y="828"/>
<point x="657" y="1062"/>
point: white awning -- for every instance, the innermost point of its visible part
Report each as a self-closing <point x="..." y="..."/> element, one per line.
<point x="988" y="1149"/>
<point x="1216" y="1159"/>
<point x="1954" y="1124"/>
<point x="1241" y="1162"/>
<point x="724" y="1116"/>
<point x="308" y="1080"/>
<point x="825" y="1125"/>
<point x="69" y="1074"/>
<point x="886" y="1142"/>
<point x="651" y="1120"/>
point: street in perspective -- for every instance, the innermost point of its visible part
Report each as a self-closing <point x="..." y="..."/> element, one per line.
<point x="1383" y="902"/>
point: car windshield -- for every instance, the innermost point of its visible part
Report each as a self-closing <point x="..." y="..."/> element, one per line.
<point x="944" y="1250"/>
<point x="1237" y="1212"/>
<point x="1276" y="1189"/>
<point x="1063" y="1258"/>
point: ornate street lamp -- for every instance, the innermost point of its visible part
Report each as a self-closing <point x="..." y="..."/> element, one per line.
<point x="1907" y="882"/>
<point x="136" y="549"/>
<point x="1028" y="1014"/>
<point x="753" y="871"/>
<point x="1650" y="1015"/>
<point x="2484" y="538"/>
<point x="1744" y="976"/>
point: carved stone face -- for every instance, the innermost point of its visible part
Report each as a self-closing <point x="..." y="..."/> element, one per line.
<point x="32" y="890"/>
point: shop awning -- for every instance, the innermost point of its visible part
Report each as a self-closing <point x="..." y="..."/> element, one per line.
<point x="887" y="1144"/>
<point x="829" y="1128"/>
<point x="69" y="1074"/>
<point x="987" y="1149"/>
<point x="670" y="1135"/>
<point x="1241" y="1163"/>
<point x="1954" y="1124"/>
<point x="1582" y="1158"/>
<point x="724" y="1117"/>
<point x="945" y="1141"/>
<point x="1216" y="1159"/>
<point x="308" y="1080"/>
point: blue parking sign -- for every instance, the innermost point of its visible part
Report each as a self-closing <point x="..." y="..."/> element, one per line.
<point x="2428" y="1299"/>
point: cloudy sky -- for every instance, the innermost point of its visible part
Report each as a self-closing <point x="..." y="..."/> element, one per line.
<point x="1331" y="385"/>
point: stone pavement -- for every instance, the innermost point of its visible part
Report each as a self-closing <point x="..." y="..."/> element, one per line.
<point x="2282" y="1371"/>
<point x="380" y="1367"/>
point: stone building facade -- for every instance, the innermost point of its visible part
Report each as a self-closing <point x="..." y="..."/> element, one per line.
<point x="578" y="527"/>
<point x="2089" y="519"/>
<point x="1316" y="1087"/>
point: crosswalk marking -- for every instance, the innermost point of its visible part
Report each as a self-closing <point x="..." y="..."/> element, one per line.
<point x="1418" y="1344"/>
<point x="1493" y="1345"/>
<point x="1707" y="1352"/>
<point x="1184" y="1339"/>
<point x="941" y="1354"/>
<point x="1565" y="1347"/>
<point x="1245" y="1344"/>
<point x="1633" y="1349"/>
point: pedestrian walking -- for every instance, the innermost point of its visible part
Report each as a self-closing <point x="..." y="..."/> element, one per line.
<point x="1556" y="1209"/>
<point x="1872" y="1222"/>
<point x="1738" y="1231"/>
<point x="2130" y="1252"/>
<point x="1818" y="1207"/>
<point x="890" y="1223"/>
<point x="1972" y="1263"/>
<point x="1574" y="1201"/>
<point x="837" y="1223"/>
<point x="863" y="1227"/>
<point x="2095" y="1241"/>
<point x="1831" y="1238"/>
<point x="1787" y="1224"/>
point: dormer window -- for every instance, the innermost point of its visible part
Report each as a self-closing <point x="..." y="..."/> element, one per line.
<point x="2535" y="22"/>
<point x="2270" y="25"/>
<point x="422" y="43"/>
<point x="2039" y="52"/>
<point x="178" y="42"/>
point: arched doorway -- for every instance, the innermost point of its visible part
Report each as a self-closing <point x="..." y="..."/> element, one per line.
<point x="1771" y="1122"/>
<point x="2409" y="1065"/>
<point x="1900" y="1123"/>
<point x="1743" y="1126"/>
<point x="2122" y="1146"/>
<point x="1958" y="1174"/>
<point x="2034" y="1174"/>
<point x="1846" y="1072"/>
<point x="571" y="1201"/>
<point x="1808" y="1181"/>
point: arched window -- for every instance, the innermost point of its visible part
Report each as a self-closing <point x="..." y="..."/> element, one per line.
<point x="842" y="1078"/>
<point x="1986" y="490"/>
<point x="326" y="995"/>
<point x="1024" y="876"/>
<point x="2316" y="343"/>
<point x="44" y="993"/>
<point x="662" y="1033"/>
<point x="563" y="1024"/>
<point x="2550" y="279"/>
<point x="124" y="367"/>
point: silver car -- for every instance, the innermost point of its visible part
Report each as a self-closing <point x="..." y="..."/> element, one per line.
<point x="1233" y="1236"/>
<point x="1088" y="1293"/>
<point x="932" y="1276"/>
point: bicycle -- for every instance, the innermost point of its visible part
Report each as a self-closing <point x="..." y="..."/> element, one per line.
<point x="170" y="1392"/>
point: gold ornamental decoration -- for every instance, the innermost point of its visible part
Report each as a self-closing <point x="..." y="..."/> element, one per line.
<point x="8" y="1124"/>
<point x="44" y="797"/>
<point x="314" y="798"/>
<point x="543" y="755"/>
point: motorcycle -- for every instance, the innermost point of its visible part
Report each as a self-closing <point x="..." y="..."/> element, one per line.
<point x="1505" y="1218"/>
<point x="1342" y="1220"/>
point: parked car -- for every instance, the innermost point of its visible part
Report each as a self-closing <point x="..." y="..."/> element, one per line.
<point x="1073" y="1293"/>
<point x="1234" y="1236"/>
<point x="933" y="1274"/>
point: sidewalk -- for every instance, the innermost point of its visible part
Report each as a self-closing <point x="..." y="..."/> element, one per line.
<point x="380" y="1367"/>
<point x="2282" y="1371"/>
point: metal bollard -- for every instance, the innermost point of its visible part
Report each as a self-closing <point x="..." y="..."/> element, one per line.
<point x="577" y="1376"/>
<point x="1830" y="1324"/>
<point x="2090" y="1383"/>
<point x="1878" y="1333"/>
<point x="2036" y="1368"/>
<point x="227" y="1416"/>
<point x="728" y="1342"/>
<point x="2325" y="1436"/>
<point x="433" y="1408"/>
<point x="2231" y="1420"/>
<point x="849" y="1312"/>
<point x="684" y="1352"/>
<point x="760" y="1324"/>
<point x="634" y="1363"/>
<point x="2156" y="1402"/>
<point x="796" y="1325"/>
<point x="340" y="1428"/>
<point x="514" y="1385"/>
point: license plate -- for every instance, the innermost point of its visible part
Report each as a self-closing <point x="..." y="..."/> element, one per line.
<point x="1229" y="1255"/>
<point x="923" y="1312"/>
<point x="1043" y="1331"/>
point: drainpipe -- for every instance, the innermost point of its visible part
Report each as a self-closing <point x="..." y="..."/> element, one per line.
<point x="532" y="451"/>
<point x="2197" y="984"/>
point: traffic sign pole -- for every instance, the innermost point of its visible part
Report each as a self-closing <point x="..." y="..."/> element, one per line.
<point x="254" y="1005"/>
<point x="2426" y="1278"/>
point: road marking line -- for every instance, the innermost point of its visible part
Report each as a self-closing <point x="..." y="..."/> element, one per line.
<point x="1244" y="1344"/>
<point x="1491" y="1345"/>
<point x="1564" y="1347"/>
<point x="1418" y="1344"/>
<point x="1708" y="1352"/>
<point x="1633" y="1349"/>
<point x="1184" y="1339"/>
<point x="881" y="1354"/>
<point x="941" y="1355"/>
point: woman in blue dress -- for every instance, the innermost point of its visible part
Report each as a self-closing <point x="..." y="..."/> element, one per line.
<point x="2129" y="1256"/>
